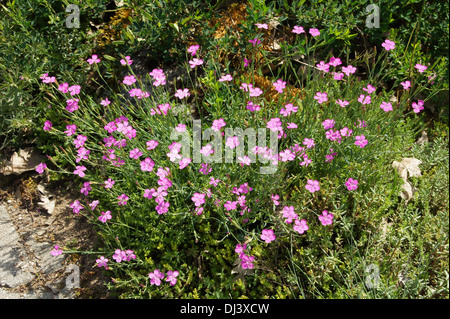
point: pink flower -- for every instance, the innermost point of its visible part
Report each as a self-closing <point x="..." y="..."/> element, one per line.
<point x="155" y="277"/>
<point x="193" y="49"/>
<point x="348" y="70"/>
<point x="300" y="226"/>
<point x="56" y="251"/>
<point x="171" y="277"/>
<point x="105" y="102"/>
<point x="335" y="61"/>
<point x="254" y="92"/>
<point x="76" y="207"/>
<point x="129" y="79"/>
<point x="291" y="125"/>
<point x="369" y="89"/>
<point x="63" y="87"/>
<point x="289" y="214"/>
<point x="195" y="62"/>
<point x="47" y="126"/>
<point x="287" y="155"/>
<point x="361" y="141"/>
<point x="406" y="85"/>
<point x="268" y="235"/>
<point x="262" y="26"/>
<point x="255" y="41"/>
<point x="147" y="165"/>
<point x="74" y="89"/>
<point x="330" y="157"/>
<point x="72" y="105"/>
<point x="338" y="76"/>
<point x="421" y="68"/>
<point x="275" y="198"/>
<point x="94" y="204"/>
<point x="232" y="142"/>
<point x="247" y="62"/>
<point x="198" y="199"/>
<point x="224" y="78"/>
<point x="136" y="153"/>
<point x="152" y="144"/>
<point x="213" y="181"/>
<point x="417" y="107"/>
<point x="162" y="207"/>
<point x="83" y="154"/>
<point x="364" y="99"/>
<point x="41" y="167"/>
<point x="386" y="106"/>
<point x="184" y="162"/>
<point x="247" y="262"/>
<point x="326" y="218"/>
<point x="230" y="205"/>
<point x="306" y="161"/>
<point x="48" y="79"/>
<point x="86" y="188"/>
<point x="102" y="262"/>
<point x="322" y="66"/>
<point x="279" y="85"/>
<point x="165" y="183"/>
<point x="274" y="124"/>
<point x="312" y="185"/>
<point x="298" y="30"/>
<point x="207" y="150"/>
<point x="345" y="131"/>
<point x="119" y="255"/>
<point x="361" y="123"/>
<point x="314" y="32"/>
<point x="160" y="194"/>
<point x="333" y="135"/>
<point x="126" y="61"/>
<point x="79" y="141"/>
<point x="252" y="107"/>
<point x="388" y="45"/>
<point x="79" y="170"/>
<point x="182" y="93"/>
<point x="342" y="103"/>
<point x="218" y="124"/>
<point x="105" y="216"/>
<point x="240" y="249"/>
<point x="327" y="124"/>
<point x="180" y="128"/>
<point x="244" y="160"/>
<point x="309" y="142"/>
<point x="351" y="184"/>
<point x="321" y="97"/>
<point x="93" y="59"/>
<point x="123" y="199"/>
<point x="158" y="76"/>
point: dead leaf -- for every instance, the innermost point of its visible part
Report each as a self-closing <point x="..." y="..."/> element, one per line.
<point x="47" y="200"/>
<point x="423" y="139"/>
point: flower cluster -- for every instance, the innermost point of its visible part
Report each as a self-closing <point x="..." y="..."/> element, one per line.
<point x="157" y="275"/>
<point x="246" y="260"/>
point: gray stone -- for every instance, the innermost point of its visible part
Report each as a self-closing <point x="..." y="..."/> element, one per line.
<point x="11" y="273"/>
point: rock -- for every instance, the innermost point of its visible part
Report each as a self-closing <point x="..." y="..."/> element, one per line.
<point x="11" y="273"/>
<point x="407" y="167"/>
<point x="22" y="161"/>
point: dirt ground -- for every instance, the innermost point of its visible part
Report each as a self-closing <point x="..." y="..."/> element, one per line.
<point x="62" y="227"/>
